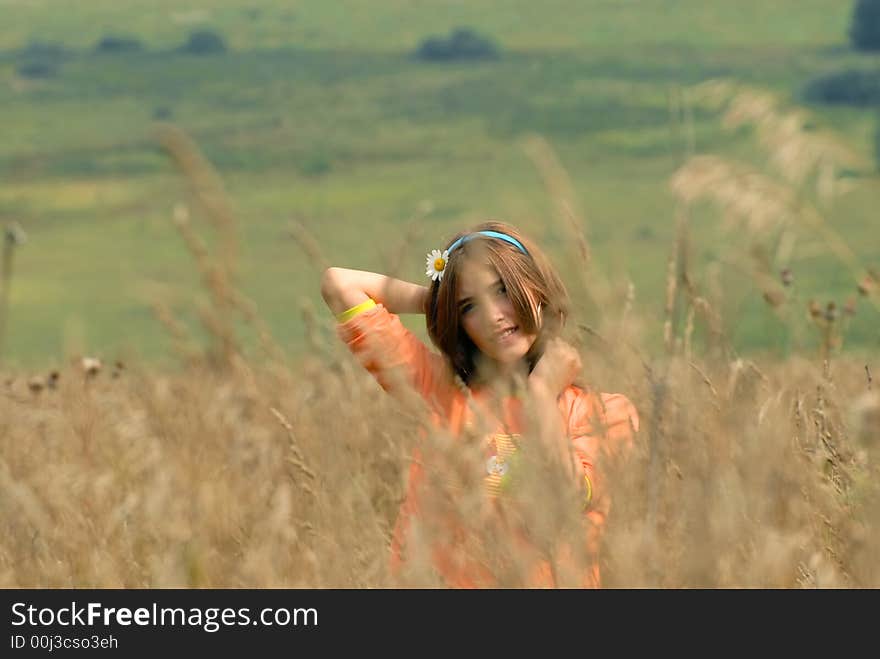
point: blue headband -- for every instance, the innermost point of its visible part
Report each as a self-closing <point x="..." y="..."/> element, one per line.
<point x="490" y="234"/>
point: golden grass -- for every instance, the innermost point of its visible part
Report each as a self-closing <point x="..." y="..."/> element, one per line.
<point x="259" y="476"/>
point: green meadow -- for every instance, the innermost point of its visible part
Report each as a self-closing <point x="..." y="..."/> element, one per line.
<point x="319" y="114"/>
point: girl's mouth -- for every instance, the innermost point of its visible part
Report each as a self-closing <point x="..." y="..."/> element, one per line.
<point x="506" y="334"/>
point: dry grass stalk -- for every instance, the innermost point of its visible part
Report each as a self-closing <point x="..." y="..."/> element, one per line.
<point x="217" y="271"/>
<point x="796" y="149"/>
<point x="206" y="189"/>
<point x="13" y="236"/>
<point x="748" y="197"/>
<point x="309" y="245"/>
<point x="671" y="290"/>
<point x="559" y="187"/>
<point x="560" y="190"/>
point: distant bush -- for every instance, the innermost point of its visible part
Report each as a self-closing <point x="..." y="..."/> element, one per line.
<point x="112" y="44"/>
<point x="462" y="43"/>
<point x="204" y="42"/>
<point x="851" y="87"/>
<point x="864" y="31"/>
<point x="35" y="69"/>
<point x="162" y="113"/>
<point x="40" y="59"/>
<point x="315" y="164"/>
<point x="877" y="141"/>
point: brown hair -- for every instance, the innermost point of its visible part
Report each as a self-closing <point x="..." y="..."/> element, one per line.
<point x="536" y="292"/>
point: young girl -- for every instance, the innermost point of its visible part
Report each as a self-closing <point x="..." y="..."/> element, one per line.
<point x="494" y="308"/>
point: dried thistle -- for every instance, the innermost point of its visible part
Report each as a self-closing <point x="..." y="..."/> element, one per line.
<point x="118" y="367"/>
<point x="831" y="312"/>
<point x="15" y="235"/>
<point x="91" y="366"/>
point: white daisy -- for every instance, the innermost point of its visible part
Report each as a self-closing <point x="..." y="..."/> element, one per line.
<point x="435" y="263"/>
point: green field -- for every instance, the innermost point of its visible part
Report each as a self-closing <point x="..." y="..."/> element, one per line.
<point x="319" y="113"/>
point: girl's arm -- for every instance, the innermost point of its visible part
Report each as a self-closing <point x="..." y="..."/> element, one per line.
<point x="399" y="361"/>
<point x="343" y="289"/>
<point x="556" y="369"/>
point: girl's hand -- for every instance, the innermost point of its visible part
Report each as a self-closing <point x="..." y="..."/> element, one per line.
<point x="555" y="370"/>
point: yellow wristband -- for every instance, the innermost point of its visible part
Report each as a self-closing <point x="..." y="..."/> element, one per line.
<point x="589" y="495"/>
<point x="348" y="314"/>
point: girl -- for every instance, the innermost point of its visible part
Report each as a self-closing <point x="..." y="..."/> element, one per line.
<point x="494" y="308"/>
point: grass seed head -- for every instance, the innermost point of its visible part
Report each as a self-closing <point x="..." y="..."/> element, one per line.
<point x="831" y="312"/>
<point x="36" y="384"/>
<point x="91" y="366"/>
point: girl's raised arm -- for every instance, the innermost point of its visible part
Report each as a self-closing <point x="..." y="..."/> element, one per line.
<point x="343" y="289"/>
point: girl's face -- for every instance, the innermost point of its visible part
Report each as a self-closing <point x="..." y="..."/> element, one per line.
<point x="487" y="315"/>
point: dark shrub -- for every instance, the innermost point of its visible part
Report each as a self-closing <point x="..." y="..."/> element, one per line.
<point x="462" y="43"/>
<point x="864" y="30"/>
<point x="877" y="141"/>
<point x="37" y="69"/>
<point x="112" y="44"/>
<point x="851" y="87"/>
<point x="433" y="48"/>
<point x="204" y="42"/>
<point x="162" y="113"/>
<point x="40" y="60"/>
<point x="315" y="164"/>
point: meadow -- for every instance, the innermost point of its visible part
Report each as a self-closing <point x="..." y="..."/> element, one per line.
<point x="717" y="235"/>
<point x="321" y="116"/>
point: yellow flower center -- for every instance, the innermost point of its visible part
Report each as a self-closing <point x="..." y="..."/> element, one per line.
<point x="439" y="264"/>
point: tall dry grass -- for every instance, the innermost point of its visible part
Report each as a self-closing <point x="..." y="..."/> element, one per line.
<point x="251" y="470"/>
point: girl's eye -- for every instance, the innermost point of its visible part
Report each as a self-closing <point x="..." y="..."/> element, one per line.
<point x="502" y="289"/>
<point x="465" y="308"/>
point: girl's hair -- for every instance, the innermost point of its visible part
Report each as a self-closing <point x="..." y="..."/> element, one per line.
<point x="536" y="292"/>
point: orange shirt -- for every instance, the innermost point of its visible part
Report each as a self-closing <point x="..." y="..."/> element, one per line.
<point x="595" y="423"/>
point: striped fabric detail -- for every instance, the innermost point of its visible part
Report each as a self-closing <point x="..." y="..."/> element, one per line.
<point x="501" y="449"/>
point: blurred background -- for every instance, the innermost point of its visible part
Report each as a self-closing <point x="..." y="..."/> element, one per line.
<point x="732" y="142"/>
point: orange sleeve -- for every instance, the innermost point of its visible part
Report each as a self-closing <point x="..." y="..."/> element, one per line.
<point x="600" y="427"/>
<point x="395" y="356"/>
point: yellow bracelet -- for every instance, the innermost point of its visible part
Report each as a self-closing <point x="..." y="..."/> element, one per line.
<point x="348" y="314"/>
<point x="589" y="497"/>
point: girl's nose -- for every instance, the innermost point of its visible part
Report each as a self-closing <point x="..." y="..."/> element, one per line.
<point x="495" y="313"/>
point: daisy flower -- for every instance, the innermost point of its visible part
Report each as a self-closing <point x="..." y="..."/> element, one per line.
<point x="435" y="263"/>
